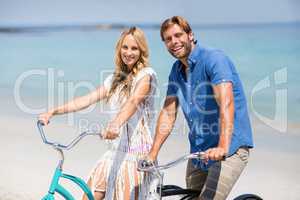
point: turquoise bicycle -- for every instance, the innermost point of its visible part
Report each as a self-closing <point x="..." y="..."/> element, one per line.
<point x="55" y="186"/>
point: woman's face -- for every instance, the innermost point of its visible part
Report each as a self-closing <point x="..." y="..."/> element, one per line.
<point x="130" y="52"/>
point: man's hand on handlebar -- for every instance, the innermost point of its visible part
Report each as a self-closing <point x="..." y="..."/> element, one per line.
<point x="216" y="153"/>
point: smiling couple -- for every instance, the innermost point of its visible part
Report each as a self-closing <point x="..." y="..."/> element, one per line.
<point x="202" y="81"/>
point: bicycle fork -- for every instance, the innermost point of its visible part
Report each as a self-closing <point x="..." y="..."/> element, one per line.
<point x="56" y="187"/>
<point x="155" y="186"/>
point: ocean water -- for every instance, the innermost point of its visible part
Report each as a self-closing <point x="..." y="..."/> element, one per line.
<point x="267" y="59"/>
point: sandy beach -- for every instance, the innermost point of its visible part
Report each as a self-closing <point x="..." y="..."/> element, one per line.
<point x="27" y="165"/>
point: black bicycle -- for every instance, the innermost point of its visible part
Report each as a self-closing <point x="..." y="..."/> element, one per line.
<point x="156" y="190"/>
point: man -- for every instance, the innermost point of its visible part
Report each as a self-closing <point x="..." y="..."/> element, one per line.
<point x="205" y="83"/>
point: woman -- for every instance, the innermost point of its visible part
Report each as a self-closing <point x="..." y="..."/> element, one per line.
<point x="130" y="92"/>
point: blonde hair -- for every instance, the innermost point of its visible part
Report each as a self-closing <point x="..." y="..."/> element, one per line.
<point x="123" y="76"/>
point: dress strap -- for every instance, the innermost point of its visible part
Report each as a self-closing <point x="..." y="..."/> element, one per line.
<point x="143" y="72"/>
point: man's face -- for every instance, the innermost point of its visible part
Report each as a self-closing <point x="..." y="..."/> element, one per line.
<point x="178" y="42"/>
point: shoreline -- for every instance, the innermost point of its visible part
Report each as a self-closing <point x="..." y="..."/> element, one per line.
<point x="18" y="29"/>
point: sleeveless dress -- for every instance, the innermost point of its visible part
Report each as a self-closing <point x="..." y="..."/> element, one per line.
<point x="116" y="171"/>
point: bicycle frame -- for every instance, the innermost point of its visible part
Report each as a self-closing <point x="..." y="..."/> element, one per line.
<point x="55" y="186"/>
<point x="156" y="190"/>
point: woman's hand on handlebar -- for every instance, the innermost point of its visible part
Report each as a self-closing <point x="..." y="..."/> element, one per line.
<point x="144" y="163"/>
<point x="45" y="117"/>
<point x="111" y="132"/>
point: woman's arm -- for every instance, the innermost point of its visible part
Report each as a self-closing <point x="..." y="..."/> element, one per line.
<point x="164" y="125"/>
<point x="76" y="104"/>
<point x="130" y="107"/>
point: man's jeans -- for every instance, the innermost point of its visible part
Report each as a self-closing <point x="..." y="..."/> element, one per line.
<point x="217" y="183"/>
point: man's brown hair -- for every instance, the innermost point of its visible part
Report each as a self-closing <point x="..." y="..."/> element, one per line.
<point x="180" y="21"/>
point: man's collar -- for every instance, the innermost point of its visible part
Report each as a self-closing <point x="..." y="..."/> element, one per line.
<point x="192" y="58"/>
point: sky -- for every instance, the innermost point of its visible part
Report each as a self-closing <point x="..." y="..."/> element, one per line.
<point x="58" y="12"/>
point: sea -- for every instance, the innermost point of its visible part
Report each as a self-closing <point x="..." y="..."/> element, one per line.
<point x="55" y="65"/>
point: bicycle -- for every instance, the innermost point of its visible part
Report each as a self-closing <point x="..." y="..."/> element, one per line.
<point x="156" y="190"/>
<point x="55" y="186"/>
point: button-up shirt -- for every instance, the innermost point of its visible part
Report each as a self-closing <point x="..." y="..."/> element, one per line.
<point x="193" y="89"/>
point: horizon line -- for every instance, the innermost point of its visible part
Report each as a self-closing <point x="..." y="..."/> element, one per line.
<point x="109" y="26"/>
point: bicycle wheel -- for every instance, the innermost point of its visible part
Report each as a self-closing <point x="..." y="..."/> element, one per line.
<point x="174" y="190"/>
<point x="248" y="197"/>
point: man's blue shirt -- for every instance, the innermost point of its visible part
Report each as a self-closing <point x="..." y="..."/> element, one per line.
<point x="209" y="67"/>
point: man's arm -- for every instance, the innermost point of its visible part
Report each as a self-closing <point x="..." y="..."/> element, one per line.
<point x="224" y="97"/>
<point x="164" y="125"/>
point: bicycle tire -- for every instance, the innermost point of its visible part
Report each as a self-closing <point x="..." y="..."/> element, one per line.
<point x="248" y="197"/>
<point x="172" y="190"/>
<point x="189" y="197"/>
<point x="168" y="187"/>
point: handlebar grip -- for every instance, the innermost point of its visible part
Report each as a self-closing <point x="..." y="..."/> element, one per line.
<point x="144" y="164"/>
<point x="39" y="122"/>
<point x="40" y="125"/>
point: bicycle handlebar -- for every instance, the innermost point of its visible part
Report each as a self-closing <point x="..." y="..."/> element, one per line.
<point x="144" y="166"/>
<point x="58" y="145"/>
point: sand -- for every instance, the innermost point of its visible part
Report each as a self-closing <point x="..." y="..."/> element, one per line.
<point x="26" y="165"/>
